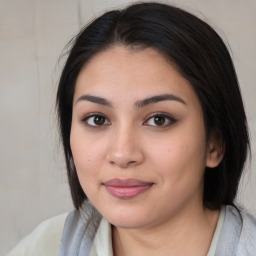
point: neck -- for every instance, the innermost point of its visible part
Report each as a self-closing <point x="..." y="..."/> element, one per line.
<point x="188" y="233"/>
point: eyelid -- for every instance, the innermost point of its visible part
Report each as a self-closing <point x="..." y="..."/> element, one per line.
<point x="93" y="114"/>
<point x="163" y="114"/>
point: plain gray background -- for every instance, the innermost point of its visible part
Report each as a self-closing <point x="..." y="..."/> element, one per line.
<point x="33" y="34"/>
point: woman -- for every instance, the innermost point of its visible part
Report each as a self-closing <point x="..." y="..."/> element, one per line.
<point x="155" y="139"/>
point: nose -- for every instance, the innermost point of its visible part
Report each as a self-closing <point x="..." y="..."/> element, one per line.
<point x="125" y="149"/>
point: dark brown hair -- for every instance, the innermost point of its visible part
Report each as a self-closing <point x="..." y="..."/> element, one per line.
<point x="202" y="58"/>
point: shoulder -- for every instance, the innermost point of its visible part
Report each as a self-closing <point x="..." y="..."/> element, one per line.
<point x="246" y="220"/>
<point x="44" y="240"/>
<point x="247" y="242"/>
<point x="241" y="226"/>
<point x="79" y="230"/>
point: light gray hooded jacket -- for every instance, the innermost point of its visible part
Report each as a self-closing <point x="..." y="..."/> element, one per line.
<point x="237" y="237"/>
<point x="74" y="235"/>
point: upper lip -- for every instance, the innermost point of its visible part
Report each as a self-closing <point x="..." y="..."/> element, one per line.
<point x="126" y="183"/>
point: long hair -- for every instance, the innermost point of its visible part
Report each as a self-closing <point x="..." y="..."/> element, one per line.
<point x="201" y="57"/>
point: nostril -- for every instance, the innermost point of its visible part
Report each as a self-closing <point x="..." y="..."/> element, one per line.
<point x="131" y="163"/>
<point x="123" y="164"/>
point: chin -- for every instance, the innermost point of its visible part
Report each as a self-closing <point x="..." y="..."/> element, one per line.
<point x="128" y="224"/>
<point x="128" y="219"/>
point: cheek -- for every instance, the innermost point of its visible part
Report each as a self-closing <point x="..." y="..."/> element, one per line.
<point x="86" y="157"/>
<point x="177" y="149"/>
<point x="180" y="158"/>
<point x="86" y="153"/>
<point x="86" y="160"/>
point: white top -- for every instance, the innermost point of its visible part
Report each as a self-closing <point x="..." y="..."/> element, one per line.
<point x="46" y="238"/>
<point x="216" y="235"/>
<point x="102" y="245"/>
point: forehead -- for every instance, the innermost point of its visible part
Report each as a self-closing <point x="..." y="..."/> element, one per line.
<point x="121" y="71"/>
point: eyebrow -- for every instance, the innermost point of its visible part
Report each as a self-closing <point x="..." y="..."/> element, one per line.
<point x="138" y="104"/>
<point x="158" y="98"/>
<point x="94" y="99"/>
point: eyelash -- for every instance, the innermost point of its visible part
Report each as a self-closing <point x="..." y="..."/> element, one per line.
<point x="167" y="118"/>
<point x="94" y="115"/>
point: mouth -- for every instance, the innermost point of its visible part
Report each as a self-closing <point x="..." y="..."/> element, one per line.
<point x="126" y="188"/>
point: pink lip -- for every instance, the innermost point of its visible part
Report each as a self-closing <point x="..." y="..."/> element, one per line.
<point x="126" y="189"/>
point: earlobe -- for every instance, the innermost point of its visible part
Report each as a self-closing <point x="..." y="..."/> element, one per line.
<point x="215" y="154"/>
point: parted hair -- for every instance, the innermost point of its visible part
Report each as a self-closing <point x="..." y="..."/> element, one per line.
<point x="201" y="57"/>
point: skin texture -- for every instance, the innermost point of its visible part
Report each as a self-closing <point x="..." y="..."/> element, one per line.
<point x="127" y="141"/>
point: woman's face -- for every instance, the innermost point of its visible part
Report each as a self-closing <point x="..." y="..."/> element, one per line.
<point x="138" y="138"/>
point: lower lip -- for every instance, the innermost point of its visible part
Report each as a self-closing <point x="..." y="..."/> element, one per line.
<point x="127" y="192"/>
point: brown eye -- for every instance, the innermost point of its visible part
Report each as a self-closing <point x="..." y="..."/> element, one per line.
<point x="160" y="120"/>
<point x="96" y="120"/>
<point x="99" y="120"/>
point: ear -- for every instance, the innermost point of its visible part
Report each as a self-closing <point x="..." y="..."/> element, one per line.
<point x="215" y="153"/>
